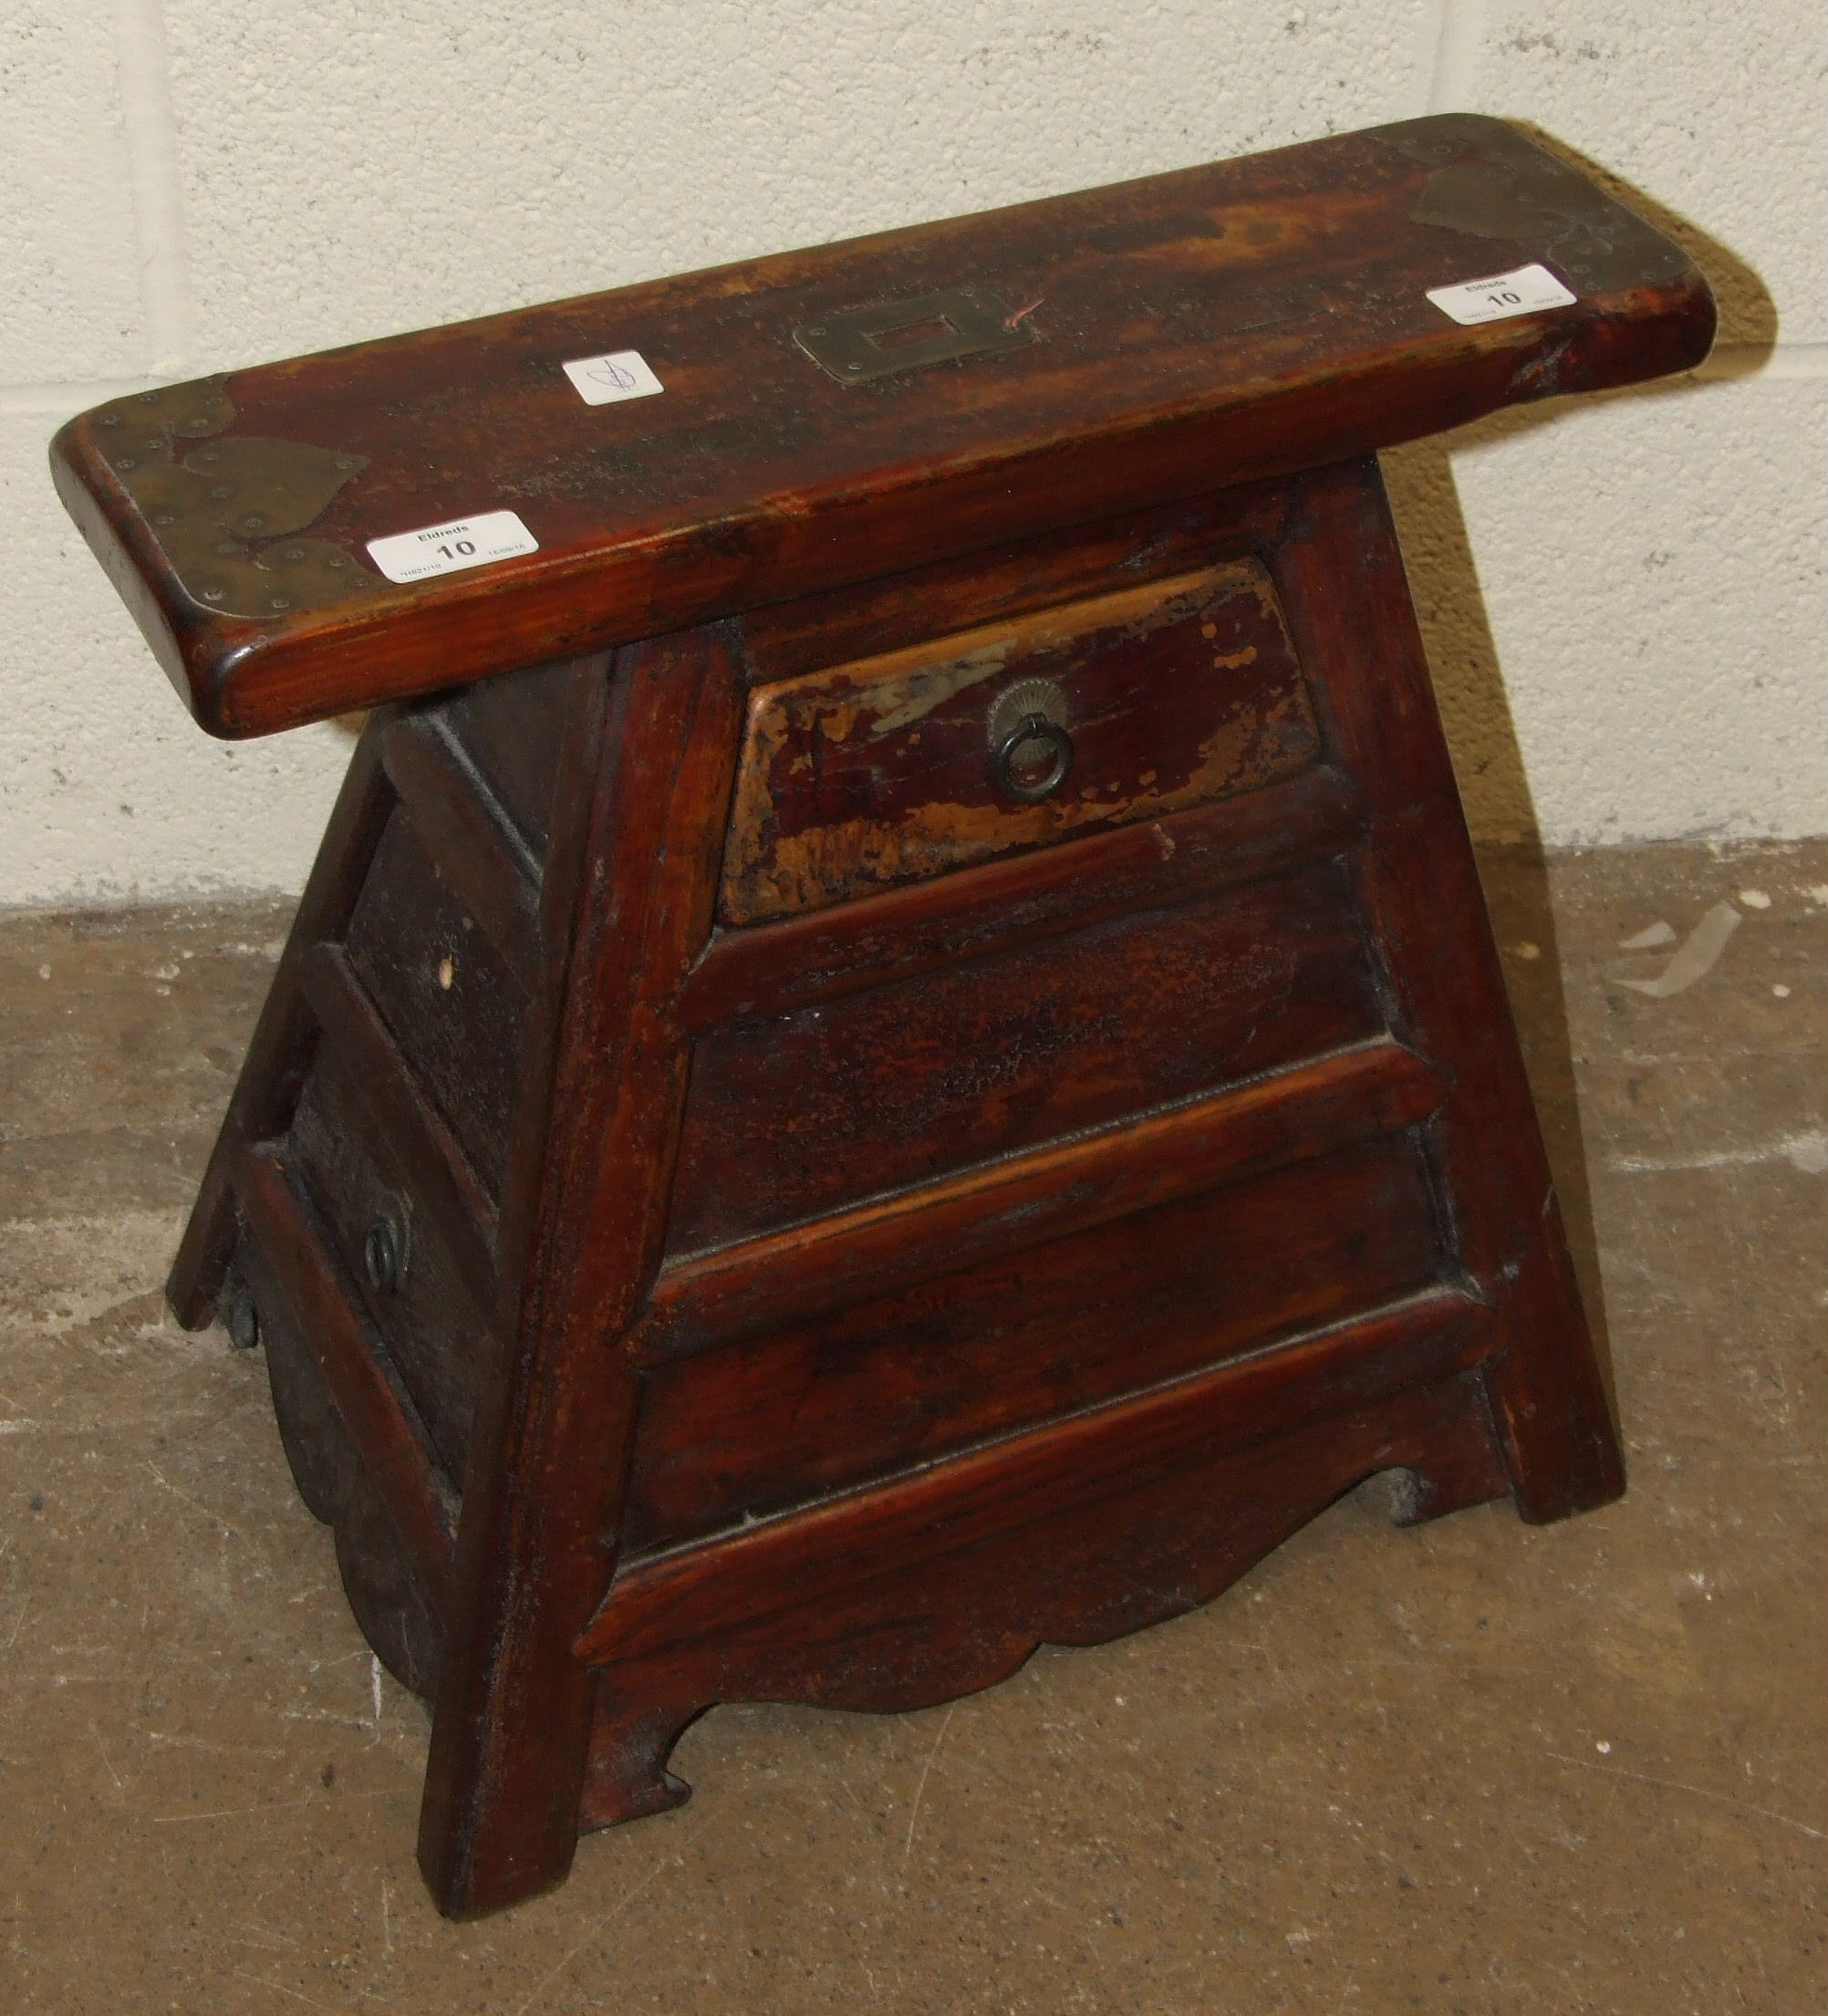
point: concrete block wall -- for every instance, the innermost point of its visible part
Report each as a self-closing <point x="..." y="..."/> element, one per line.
<point x="1624" y="605"/>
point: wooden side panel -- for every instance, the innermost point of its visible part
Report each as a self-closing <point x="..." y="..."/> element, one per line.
<point x="273" y="1072"/>
<point x="775" y="1419"/>
<point x="1420" y="888"/>
<point x="879" y="772"/>
<point x="463" y="826"/>
<point x="800" y="1113"/>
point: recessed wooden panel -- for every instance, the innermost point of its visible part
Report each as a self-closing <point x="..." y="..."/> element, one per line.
<point x="870" y="773"/>
<point x="509" y="728"/>
<point x="772" y="1420"/>
<point x="451" y="1004"/>
<point x="794" y="1115"/>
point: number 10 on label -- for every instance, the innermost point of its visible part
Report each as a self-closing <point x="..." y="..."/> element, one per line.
<point x="451" y="548"/>
<point x="1500" y="294"/>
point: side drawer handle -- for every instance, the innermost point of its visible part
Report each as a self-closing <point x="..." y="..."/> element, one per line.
<point x="1032" y="761"/>
<point x="384" y="1256"/>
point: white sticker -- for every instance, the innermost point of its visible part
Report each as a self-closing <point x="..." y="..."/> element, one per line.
<point x="1504" y="293"/>
<point x="449" y="548"/>
<point x="602" y="381"/>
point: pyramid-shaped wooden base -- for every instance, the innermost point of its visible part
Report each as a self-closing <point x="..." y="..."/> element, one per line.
<point x="743" y="1200"/>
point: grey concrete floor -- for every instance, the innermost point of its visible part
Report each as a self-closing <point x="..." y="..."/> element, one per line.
<point x="1475" y="1769"/>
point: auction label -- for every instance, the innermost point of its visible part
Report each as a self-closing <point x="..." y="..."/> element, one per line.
<point x="1504" y="293"/>
<point x="449" y="548"/>
<point x="602" y="381"/>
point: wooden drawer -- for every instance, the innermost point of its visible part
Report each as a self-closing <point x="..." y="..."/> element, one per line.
<point x="772" y="1420"/>
<point x="426" y="1306"/>
<point x="790" y="1115"/>
<point x="451" y="1004"/>
<point x="885" y="770"/>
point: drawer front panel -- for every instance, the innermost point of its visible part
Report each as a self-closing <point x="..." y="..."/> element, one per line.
<point x="424" y="1312"/>
<point x="774" y="1420"/>
<point x="885" y="770"/>
<point x="799" y="1113"/>
<point x="452" y="1007"/>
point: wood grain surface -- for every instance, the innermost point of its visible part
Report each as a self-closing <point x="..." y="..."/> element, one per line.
<point x="1190" y="331"/>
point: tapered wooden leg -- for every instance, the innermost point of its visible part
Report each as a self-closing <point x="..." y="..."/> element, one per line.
<point x="1349" y="608"/>
<point x="274" y="1070"/>
<point x="627" y="902"/>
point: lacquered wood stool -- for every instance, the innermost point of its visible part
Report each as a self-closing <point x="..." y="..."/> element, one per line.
<point x="894" y="1051"/>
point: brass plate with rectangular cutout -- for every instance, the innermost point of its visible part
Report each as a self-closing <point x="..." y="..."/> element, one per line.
<point x="862" y="344"/>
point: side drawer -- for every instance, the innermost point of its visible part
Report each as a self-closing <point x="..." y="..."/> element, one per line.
<point x="454" y="1008"/>
<point x="774" y="1420"/>
<point x="425" y="1310"/>
<point x="887" y="769"/>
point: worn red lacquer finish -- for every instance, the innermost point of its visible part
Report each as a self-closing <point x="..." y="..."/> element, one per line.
<point x="894" y="1052"/>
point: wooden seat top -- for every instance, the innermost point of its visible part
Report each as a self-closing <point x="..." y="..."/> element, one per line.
<point x="837" y="414"/>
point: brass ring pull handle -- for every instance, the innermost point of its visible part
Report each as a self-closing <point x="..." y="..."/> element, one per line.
<point x="1032" y="761"/>
<point x="384" y="1255"/>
